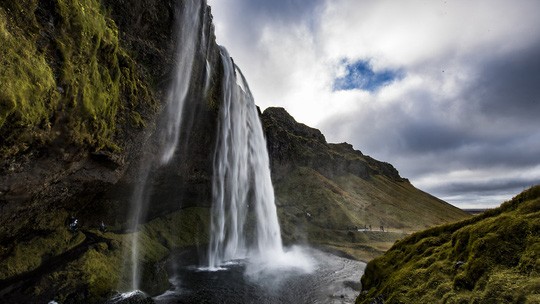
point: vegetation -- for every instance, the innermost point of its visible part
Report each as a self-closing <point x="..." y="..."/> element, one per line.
<point x="324" y="211"/>
<point x="65" y="76"/>
<point x="89" y="275"/>
<point x="491" y="258"/>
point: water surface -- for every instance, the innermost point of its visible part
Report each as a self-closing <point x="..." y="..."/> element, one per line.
<point x="332" y="279"/>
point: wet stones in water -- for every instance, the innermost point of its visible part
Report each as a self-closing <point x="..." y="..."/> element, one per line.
<point x="133" y="298"/>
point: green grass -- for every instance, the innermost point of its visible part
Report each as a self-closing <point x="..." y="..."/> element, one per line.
<point x="490" y="258"/>
<point x="336" y="206"/>
<point x="65" y="75"/>
<point x="98" y="271"/>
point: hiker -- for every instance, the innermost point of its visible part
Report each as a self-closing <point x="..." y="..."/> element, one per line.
<point x="102" y="227"/>
<point x="74" y="224"/>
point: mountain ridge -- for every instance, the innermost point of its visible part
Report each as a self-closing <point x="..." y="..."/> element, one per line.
<point x="332" y="191"/>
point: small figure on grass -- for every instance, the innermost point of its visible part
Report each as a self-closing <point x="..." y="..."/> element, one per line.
<point x="73" y="224"/>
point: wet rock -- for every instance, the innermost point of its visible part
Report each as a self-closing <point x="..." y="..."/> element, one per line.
<point x="134" y="297"/>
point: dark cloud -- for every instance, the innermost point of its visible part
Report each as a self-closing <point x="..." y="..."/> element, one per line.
<point x="285" y="10"/>
<point x="493" y="186"/>
<point x="509" y="87"/>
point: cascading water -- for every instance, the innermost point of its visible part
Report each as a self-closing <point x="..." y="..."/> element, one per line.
<point x="187" y="43"/>
<point x="242" y="186"/>
<point x="187" y="37"/>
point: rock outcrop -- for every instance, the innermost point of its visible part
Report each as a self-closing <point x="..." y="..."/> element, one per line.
<point x="333" y="195"/>
<point x="83" y="92"/>
<point x="292" y="144"/>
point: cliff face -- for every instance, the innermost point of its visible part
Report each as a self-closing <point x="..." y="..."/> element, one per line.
<point x="292" y="144"/>
<point x="491" y="258"/>
<point x="326" y="192"/>
<point x="83" y="91"/>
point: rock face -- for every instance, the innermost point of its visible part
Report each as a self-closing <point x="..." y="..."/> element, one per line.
<point x="292" y="144"/>
<point x="330" y="194"/>
<point x="490" y="258"/>
<point x="76" y="158"/>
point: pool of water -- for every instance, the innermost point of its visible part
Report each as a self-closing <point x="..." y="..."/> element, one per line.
<point x="329" y="279"/>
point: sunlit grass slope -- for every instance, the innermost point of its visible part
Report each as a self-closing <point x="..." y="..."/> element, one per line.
<point x="491" y="258"/>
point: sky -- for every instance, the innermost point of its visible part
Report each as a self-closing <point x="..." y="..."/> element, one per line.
<point x="446" y="91"/>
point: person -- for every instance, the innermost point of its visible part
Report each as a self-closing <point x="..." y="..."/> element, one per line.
<point x="74" y="224"/>
<point x="102" y="227"/>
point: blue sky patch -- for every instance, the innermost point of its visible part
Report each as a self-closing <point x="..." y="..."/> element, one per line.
<point x="360" y="75"/>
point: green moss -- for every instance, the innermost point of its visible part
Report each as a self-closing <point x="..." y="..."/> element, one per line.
<point x="101" y="270"/>
<point x="64" y="73"/>
<point x="96" y="270"/>
<point x="28" y="87"/>
<point x="491" y="258"/>
<point x="24" y="256"/>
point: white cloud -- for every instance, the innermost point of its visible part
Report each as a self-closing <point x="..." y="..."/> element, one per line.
<point x="439" y="117"/>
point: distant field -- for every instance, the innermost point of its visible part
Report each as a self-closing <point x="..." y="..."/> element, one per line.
<point x="475" y="211"/>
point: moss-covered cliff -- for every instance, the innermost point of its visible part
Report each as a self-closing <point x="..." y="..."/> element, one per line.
<point x="326" y="192"/>
<point x="82" y="89"/>
<point x="491" y="258"/>
<point x="66" y="76"/>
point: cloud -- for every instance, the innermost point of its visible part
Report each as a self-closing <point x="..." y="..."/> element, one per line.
<point x="466" y="98"/>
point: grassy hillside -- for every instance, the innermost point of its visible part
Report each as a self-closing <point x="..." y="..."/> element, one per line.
<point x="326" y="192"/>
<point x="327" y="211"/>
<point x="490" y="258"/>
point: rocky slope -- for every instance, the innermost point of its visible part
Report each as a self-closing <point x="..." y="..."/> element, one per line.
<point x="326" y="192"/>
<point x="491" y="258"/>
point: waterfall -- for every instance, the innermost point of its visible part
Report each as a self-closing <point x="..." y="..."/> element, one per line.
<point x="188" y="28"/>
<point x="244" y="219"/>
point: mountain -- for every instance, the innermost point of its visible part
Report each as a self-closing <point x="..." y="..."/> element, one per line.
<point x="490" y="258"/>
<point x="326" y="192"/>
